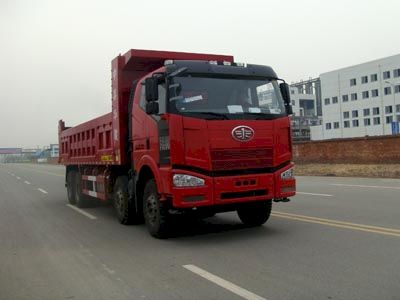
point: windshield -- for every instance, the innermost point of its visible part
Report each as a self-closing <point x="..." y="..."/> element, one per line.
<point x="250" y="98"/>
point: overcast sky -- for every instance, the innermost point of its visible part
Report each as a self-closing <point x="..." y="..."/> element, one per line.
<point x="55" y="55"/>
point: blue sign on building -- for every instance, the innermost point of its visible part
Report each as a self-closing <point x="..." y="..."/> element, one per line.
<point x="395" y="127"/>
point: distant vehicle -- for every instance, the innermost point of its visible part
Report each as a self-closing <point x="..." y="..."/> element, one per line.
<point x="188" y="133"/>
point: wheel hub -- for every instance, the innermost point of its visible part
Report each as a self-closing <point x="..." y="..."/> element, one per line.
<point x="152" y="209"/>
<point x="119" y="202"/>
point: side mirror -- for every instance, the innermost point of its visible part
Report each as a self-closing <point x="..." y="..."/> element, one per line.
<point x="285" y="91"/>
<point x="289" y="109"/>
<point x="151" y="89"/>
<point x="284" y="87"/>
<point x="152" y="108"/>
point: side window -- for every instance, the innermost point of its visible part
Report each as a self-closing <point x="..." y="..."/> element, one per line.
<point x="161" y="98"/>
<point x="142" y="100"/>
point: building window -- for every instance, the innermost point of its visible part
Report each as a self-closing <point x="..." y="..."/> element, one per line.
<point x="386" y="74"/>
<point x="292" y="92"/>
<point x="327" y="101"/>
<point x="389" y="119"/>
<point x="397" y="89"/>
<point x="375" y="111"/>
<point x="388" y="109"/>
<point x="334" y="100"/>
<point x="336" y="125"/>
<point x="374" y="77"/>
<point x="398" y="118"/>
<point x="364" y="79"/>
<point x="346" y="114"/>
<point x="377" y="121"/>
<point x="397" y="107"/>
<point x="328" y="126"/>
<point x="346" y="124"/>
<point x="387" y="90"/>
<point x="354" y="97"/>
<point x="396" y="73"/>
<point x="365" y="94"/>
<point x="354" y="114"/>
<point x="375" y="93"/>
<point x="355" y="123"/>
<point x="367" y="122"/>
<point x="353" y="82"/>
<point x="366" y="112"/>
<point x="293" y="102"/>
<point x="345" y="98"/>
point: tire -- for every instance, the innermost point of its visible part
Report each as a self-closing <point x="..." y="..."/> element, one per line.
<point x="124" y="207"/>
<point x="71" y="187"/>
<point x="255" y="214"/>
<point x="80" y="198"/>
<point x="155" y="211"/>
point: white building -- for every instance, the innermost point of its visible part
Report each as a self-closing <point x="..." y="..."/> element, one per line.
<point x="54" y="150"/>
<point x="361" y="100"/>
<point x="303" y="104"/>
<point x="304" y="96"/>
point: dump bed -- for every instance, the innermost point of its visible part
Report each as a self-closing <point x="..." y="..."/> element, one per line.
<point x="104" y="140"/>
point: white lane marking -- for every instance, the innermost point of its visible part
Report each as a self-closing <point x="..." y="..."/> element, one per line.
<point x="81" y="211"/>
<point x="40" y="171"/>
<point x="224" y="283"/>
<point x="18" y="178"/>
<point x="111" y="271"/>
<point x="314" y="194"/>
<point x="367" y="186"/>
<point x="42" y="190"/>
<point x="12" y="174"/>
<point x="27" y="182"/>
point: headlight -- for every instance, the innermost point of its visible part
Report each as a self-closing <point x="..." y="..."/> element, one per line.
<point x="181" y="180"/>
<point x="288" y="174"/>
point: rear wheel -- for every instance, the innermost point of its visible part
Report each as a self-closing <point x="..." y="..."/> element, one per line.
<point x="255" y="214"/>
<point x="155" y="211"/>
<point x="71" y="187"/>
<point x="81" y="199"/>
<point x="124" y="207"/>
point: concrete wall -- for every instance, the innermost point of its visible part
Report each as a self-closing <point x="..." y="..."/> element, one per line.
<point x="367" y="150"/>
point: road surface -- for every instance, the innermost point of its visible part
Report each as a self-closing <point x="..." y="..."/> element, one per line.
<point x="339" y="238"/>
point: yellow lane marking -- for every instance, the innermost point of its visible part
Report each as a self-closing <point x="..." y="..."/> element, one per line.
<point x="367" y="186"/>
<point x="340" y="224"/>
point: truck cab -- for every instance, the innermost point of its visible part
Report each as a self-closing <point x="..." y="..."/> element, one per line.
<point x="216" y="136"/>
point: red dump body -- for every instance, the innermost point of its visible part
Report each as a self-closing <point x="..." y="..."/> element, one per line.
<point x="104" y="140"/>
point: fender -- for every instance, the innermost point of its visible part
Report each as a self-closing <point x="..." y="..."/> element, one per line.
<point x="147" y="160"/>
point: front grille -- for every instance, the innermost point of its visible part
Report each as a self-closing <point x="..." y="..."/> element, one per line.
<point x="233" y="159"/>
<point x="254" y="193"/>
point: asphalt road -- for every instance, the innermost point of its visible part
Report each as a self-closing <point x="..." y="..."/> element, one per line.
<point x="339" y="238"/>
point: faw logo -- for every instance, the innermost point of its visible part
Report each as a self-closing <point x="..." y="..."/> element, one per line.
<point x="242" y="133"/>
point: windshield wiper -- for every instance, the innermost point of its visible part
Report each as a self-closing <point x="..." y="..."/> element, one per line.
<point x="214" y="115"/>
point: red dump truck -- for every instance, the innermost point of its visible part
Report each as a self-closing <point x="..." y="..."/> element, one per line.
<point x="188" y="133"/>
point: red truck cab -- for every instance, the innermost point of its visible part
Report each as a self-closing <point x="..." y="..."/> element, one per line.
<point x="188" y="133"/>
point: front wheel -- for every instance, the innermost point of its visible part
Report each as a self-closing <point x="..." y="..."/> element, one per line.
<point x="155" y="211"/>
<point x="255" y="214"/>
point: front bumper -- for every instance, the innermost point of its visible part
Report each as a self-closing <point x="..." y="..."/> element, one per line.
<point x="229" y="189"/>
